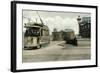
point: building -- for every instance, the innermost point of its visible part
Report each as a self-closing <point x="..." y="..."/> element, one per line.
<point x="63" y="35"/>
<point x="57" y="36"/>
<point x="84" y="27"/>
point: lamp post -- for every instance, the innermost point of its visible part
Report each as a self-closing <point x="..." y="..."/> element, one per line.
<point x="79" y="22"/>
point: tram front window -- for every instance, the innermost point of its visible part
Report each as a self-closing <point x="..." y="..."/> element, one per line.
<point x="32" y="32"/>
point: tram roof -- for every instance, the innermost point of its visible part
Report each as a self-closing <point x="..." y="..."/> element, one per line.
<point x="37" y="25"/>
<point x="31" y="24"/>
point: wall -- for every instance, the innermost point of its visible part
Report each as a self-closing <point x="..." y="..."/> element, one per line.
<point x="5" y="36"/>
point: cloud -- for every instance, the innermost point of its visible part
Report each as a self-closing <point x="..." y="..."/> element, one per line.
<point x="61" y="23"/>
<point x="57" y="22"/>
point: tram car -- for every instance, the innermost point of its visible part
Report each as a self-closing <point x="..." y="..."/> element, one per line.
<point x="36" y="35"/>
<point x="70" y="37"/>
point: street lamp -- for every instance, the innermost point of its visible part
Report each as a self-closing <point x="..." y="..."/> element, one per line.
<point x="79" y="22"/>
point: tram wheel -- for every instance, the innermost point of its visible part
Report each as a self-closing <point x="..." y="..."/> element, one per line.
<point x="39" y="46"/>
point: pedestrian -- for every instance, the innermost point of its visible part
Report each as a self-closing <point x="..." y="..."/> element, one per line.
<point x="75" y="42"/>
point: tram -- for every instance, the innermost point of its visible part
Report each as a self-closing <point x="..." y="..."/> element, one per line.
<point x="36" y="35"/>
<point x="69" y="37"/>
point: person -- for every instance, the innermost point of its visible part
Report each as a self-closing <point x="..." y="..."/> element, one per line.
<point x="75" y="42"/>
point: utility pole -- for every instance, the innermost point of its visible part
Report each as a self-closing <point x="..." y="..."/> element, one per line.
<point x="40" y="18"/>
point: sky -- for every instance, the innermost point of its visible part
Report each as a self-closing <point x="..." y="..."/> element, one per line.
<point x="59" y="20"/>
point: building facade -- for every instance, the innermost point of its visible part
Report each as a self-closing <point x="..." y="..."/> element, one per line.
<point x="57" y="36"/>
<point x="67" y="34"/>
<point x="85" y="27"/>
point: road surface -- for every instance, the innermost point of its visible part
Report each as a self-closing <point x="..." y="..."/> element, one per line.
<point x="59" y="51"/>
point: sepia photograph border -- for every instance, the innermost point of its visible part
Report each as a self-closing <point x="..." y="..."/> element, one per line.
<point x="14" y="35"/>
